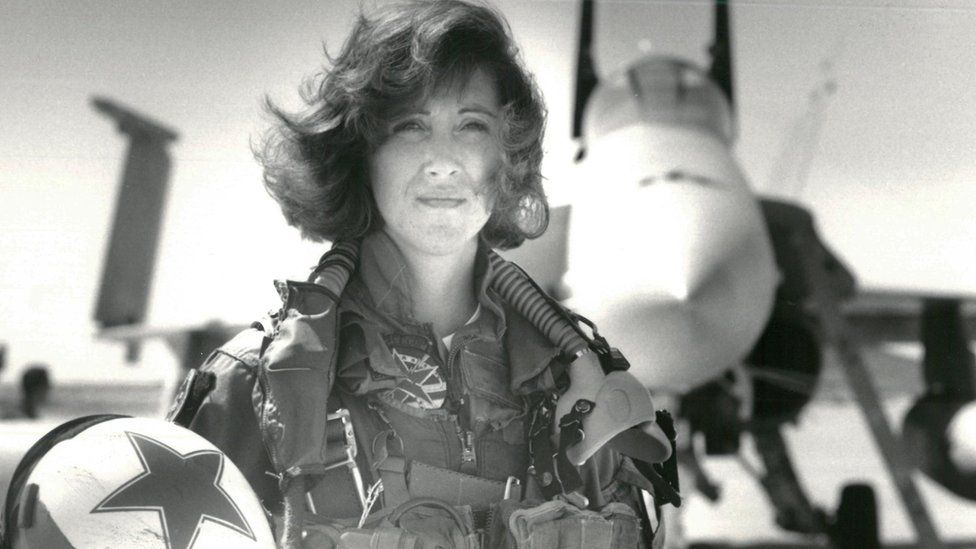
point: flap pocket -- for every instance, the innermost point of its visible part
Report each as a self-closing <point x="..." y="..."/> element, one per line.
<point x="488" y="378"/>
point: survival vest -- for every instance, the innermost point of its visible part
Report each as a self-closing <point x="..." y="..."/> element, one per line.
<point x="325" y="454"/>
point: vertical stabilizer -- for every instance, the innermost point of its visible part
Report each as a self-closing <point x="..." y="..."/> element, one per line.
<point x="130" y="258"/>
<point x="721" y="52"/>
<point x="586" y="78"/>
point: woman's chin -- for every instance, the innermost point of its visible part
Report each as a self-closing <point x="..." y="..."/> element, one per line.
<point x="447" y="244"/>
<point x="435" y="241"/>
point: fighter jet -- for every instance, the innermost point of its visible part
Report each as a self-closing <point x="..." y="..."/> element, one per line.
<point x="671" y="254"/>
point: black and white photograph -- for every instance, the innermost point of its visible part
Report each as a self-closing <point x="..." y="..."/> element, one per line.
<point x="488" y="274"/>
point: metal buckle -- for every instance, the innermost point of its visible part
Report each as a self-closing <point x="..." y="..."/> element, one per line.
<point x="342" y="415"/>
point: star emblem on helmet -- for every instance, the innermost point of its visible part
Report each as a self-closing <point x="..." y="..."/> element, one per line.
<point x="183" y="489"/>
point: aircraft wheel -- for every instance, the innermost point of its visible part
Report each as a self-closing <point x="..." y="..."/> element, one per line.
<point x="856" y="522"/>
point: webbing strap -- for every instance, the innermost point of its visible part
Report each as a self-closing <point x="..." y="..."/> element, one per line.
<point x="404" y="481"/>
<point x="570" y="433"/>
<point x="542" y="454"/>
<point x="339" y="492"/>
<point x="393" y="472"/>
<point x="454" y="487"/>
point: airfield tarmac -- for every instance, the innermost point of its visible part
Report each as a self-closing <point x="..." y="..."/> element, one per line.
<point x="831" y="447"/>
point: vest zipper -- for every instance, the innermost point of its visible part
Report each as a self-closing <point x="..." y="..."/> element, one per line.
<point x="454" y="374"/>
<point x="462" y="420"/>
<point x="468" y="455"/>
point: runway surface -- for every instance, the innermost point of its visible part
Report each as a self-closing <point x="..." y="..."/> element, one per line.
<point x="831" y="447"/>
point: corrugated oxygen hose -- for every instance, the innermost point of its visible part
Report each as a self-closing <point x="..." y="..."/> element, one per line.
<point x="515" y="287"/>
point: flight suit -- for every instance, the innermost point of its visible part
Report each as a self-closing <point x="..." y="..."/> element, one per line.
<point x="454" y="415"/>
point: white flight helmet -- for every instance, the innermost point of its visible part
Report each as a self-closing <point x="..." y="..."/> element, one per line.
<point x="114" y="481"/>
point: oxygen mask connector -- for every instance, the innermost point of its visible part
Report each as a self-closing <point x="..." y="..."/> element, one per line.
<point x="608" y="408"/>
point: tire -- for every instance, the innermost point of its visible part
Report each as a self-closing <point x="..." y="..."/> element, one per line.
<point x="856" y="522"/>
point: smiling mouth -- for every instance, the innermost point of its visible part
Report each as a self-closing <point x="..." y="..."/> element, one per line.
<point x="437" y="202"/>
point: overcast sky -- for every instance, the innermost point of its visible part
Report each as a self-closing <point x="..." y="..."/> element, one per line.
<point x="889" y="173"/>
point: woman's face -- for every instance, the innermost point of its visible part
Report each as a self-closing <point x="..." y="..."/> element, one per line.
<point x="431" y="175"/>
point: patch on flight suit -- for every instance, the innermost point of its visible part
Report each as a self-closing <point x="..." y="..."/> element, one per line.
<point x="422" y="384"/>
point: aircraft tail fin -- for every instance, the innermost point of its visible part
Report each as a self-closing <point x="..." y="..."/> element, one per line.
<point x="130" y="258"/>
<point x="586" y="78"/>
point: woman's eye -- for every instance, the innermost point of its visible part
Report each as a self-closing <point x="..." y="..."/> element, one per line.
<point x="475" y="125"/>
<point x="407" y="126"/>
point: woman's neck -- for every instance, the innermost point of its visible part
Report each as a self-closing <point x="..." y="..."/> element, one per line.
<point x="442" y="287"/>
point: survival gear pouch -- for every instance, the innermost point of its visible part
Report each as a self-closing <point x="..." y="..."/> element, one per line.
<point x="559" y="525"/>
<point x="420" y="523"/>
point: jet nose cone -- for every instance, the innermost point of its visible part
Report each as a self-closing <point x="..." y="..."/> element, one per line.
<point x="676" y="271"/>
<point x="701" y="236"/>
<point x="669" y="244"/>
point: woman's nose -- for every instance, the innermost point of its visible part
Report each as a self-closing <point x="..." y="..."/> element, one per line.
<point x="442" y="158"/>
<point x="441" y="169"/>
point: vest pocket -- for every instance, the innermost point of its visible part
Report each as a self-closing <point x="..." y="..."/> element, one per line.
<point x="491" y="404"/>
<point x="488" y="378"/>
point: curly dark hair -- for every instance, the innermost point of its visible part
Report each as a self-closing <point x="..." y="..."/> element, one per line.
<point x="315" y="160"/>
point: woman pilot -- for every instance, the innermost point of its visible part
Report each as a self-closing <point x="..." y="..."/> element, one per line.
<point x="417" y="152"/>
